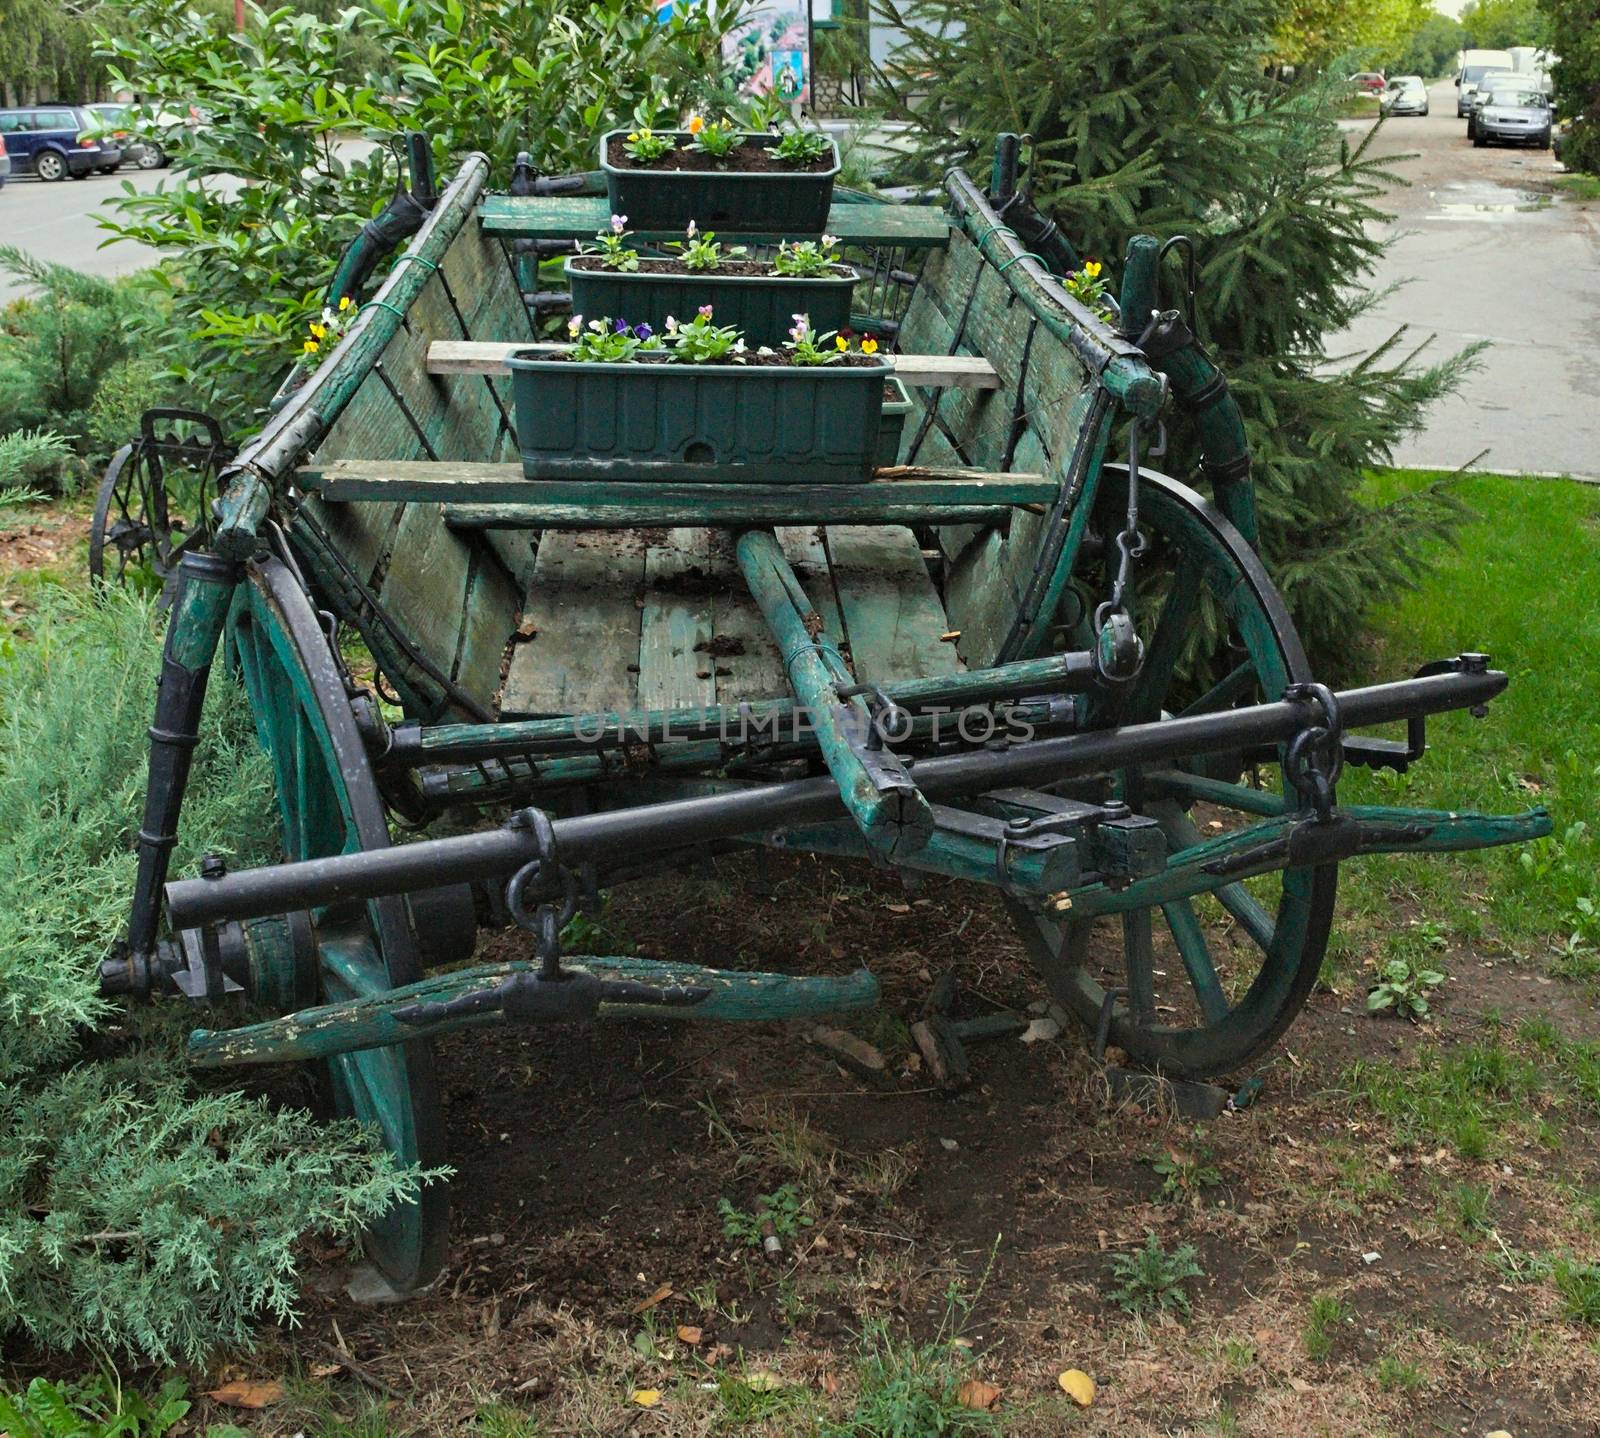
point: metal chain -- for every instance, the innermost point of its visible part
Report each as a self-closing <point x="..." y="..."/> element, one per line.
<point x="1118" y="650"/>
<point x="547" y="920"/>
<point x="1314" y="759"/>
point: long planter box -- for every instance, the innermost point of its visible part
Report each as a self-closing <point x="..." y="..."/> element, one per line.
<point x="760" y="307"/>
<point x="756" y="424"/>
<point x="793" y="204"/>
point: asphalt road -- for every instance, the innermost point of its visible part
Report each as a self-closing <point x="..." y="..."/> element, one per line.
<point x="1485" y="247"/>
<point x="57" y="222"/>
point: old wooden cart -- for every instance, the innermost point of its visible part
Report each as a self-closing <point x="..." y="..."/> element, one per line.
<point x="985" y="663"/>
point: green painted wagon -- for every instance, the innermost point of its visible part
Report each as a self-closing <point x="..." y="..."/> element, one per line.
<point x="1020" y="657"/>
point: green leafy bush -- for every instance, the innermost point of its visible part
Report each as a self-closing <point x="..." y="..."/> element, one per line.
<point x="57" y="346"/>
<point x="31" y="462"/>
<point x="1162" y="116"/>
<point x="250" y="264"/>
<point x="1574" y="36"/>
<point x="135" y="1214"/>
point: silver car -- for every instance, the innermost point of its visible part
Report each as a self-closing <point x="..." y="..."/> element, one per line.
<point x="1405" y="95"/>
<point x="1513" y="113"/>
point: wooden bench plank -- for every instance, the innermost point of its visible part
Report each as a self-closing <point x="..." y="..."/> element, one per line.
<point x="892" y="614"/>
<point x="927" y="371"/>
<point x="476" y="483"/>
<point x="583" y="610"/>
<point x="579" y="217"/>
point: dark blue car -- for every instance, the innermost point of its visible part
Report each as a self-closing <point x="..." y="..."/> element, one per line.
<point x="50" y="141"/>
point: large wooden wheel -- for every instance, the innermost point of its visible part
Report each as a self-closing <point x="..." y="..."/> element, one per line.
<point x="329" y="804"/>
<point x="1209" y="983"/>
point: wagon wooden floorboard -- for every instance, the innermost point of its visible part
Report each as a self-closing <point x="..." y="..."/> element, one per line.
<point x="662" y="619"/>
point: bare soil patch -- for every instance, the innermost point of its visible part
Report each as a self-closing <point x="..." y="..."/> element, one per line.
<point x="591" y="1163"/>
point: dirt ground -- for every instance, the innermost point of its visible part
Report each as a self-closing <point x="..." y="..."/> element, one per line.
<point x="1347" y="1285"/>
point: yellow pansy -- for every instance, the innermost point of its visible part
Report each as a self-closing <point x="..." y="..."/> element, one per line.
<point x="319" y="331"/>
<point x="1092" y="268"/>
<point x="310" y="347"/>
<point x="840" y="342"/>
<point x="869" y="346"/>
<point x="344" y="302"/>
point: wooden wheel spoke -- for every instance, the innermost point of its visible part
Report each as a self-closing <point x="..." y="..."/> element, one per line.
<point x="1173" y="627"/>
<point x="1138" y="946"/>
<point x="350" y="962"/>
<point x="1191" y="941"/>
<point x="1221" y="695"/>
<point x="1251" y="917"/>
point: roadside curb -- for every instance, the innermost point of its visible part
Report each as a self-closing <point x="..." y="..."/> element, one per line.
<point x="1450" y="469"/>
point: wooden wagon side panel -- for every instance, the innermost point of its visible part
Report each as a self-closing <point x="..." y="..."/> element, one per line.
<point x="1031" y="422"/>
<point x="451" y="592"/>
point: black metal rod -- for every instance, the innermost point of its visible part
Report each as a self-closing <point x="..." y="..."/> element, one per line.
<point x="588" y="838"/>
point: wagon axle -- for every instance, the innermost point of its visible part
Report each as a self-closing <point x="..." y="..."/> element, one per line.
<point x="736" y="810"/>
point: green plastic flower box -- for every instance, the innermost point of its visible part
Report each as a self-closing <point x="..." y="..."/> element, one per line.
<point x="791" y="203"/>
<point x="762" y="308"/>
<point x="892" y="422"/>
<point x="732" y="423"/>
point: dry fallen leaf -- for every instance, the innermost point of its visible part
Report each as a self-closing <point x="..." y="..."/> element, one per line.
<point x="688" y="1333"/>
<point x="326" y="1370"/>
<point x="975" y="1393"/>
<point x="647" y="1397"/>
<point x="762" y="1381"/>
<point x="830" y="1383"/>
<point x="1078" y="1386"/>
<point x="247" y="1393"/>
<point x="664" y="1292"/>
<point x="1299" y="1385"/>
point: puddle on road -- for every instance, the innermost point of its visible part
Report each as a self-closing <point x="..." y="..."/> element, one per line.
<point x="1482" y="199"/>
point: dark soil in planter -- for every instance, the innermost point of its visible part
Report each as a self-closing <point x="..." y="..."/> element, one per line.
<point x="757" y="269"/>
<point x="746" y="157"/>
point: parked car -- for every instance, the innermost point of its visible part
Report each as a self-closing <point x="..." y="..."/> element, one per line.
<point x="1405" y="95"/>
<point x="1475" y="64"/>
<point x="1482" y="88"/>
<point x="1513" y="112"/>
<point x="1367" y="82"/>
<point x="56" y="140"/>
<point x="141" y="136"/>
<point x="5" y="163"/>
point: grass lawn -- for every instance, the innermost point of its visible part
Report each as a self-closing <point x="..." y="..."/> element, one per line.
<point x="1401" y="1238"/>
<point x="1522" y="586"/>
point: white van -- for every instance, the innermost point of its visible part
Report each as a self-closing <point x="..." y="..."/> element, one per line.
<point x="1475" y="64"/>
